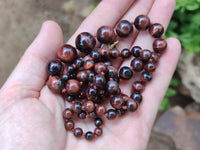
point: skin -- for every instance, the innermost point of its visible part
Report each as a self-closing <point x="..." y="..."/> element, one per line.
<point x="31" y="115"/>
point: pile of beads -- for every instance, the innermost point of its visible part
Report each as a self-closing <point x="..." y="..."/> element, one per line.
<point x="87" y="83"/>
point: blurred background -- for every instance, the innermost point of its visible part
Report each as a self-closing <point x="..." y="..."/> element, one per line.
<point x="177" y="126"/>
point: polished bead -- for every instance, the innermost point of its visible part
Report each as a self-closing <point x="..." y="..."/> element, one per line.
<point x="111" y="114"/>
<point x="111" y="73"/>
<point x="154" y="57"/>
<point x="89" y="64"/>
<point x="82" y="115"/>
<point x="112" y="87"/>
<point x="116" y="101"/>
<point x="70" y="98"/>
<point x="142" y="22"/>
<point x="137" y="64"/>
<point x="55" y="84"/>
<point x="78" y="132"/>
<point x="136" y="97"/>
<point x="89" y="136"/>
<point x="65" y="77"/>
<point x="100" y="109"/>
<point x="159" y="45"/>
<point x="156" y="30"/>
<point x="114" y="53"/>
<point x="125" y="53"/>
<point x="82" y="76"/>
<point x="90" y="76"/>
<point x="92" y="115"/>
<point x="121" y="112"/>
<point x="145" y="55"/>
<point x="87" y="58"/>
<point x="131" y="105"/>
<point x="68" y="113"/>
<point x="98" y="122"/>
<point x="73" y="87"/>
<point x="85" y="42"/>
<point x="124" y="28"/>
<point x="54" y="68"/>
<point x="89" y="106"/>
<point x="69" y="125"/>
<point x="125" y="97"/>
<point x="150" y="67"/>
<point x="145" y="76"/>
<point x="81" y="95"/>
<point x="100" y="67"/>
<point x="98" y="131"/>
<point x="77" y="107"/>
<point x="105" y="34"/>
<point x="96" y="56"/>
<point x="99" y="81"/>
<point x="67" y="53"/>
<point x="135" y="51"/>
<point x="91" y="93"/>
<point x="104" y="52"/>
<point x="137" y="86"/>
<point x="79" y="62"/>
<point x="125" y="73"/>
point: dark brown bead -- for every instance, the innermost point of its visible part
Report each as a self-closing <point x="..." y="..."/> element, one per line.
<point x="98" y="131"/>
<point x="114" y="53"/>
<point x="111" y="73"/>
<point x="154" y="57"/>
<point x="90" y="76"/>
<point x="54" y="68"/>
<point x="116" y="101"/>
<point x="78" y="132"/>
<point x="145" y="55"/>
<point x="85" y="42"/>
<point x="82" y="76"/>
<point x="92" y="115"/>
<point x="136" y="97"/>
<point x="131" y="105"/>
<point x="124" y="28"/>
<point x="69" y="125"/>
<point x="112" y="87"/>
<point x="69" y="69"/>
<point x="100" y="67"/>
<point x="135" y="51"/>
<point x="111" y="114"/>
<point x="55" y="84"/>
<point x="142" y="22"/>
<point x="79" y="62"/>
<point x="105" y="34"/>
<point x="145" y="76"/>
<point x="159" y="45"/>
<point x="137" y="65"/>
<point x="82" y="115"/>
<point x="150" y="67"/>
<point x="96" y="56"/>
<point x="121" y="112"/>
<point x="89" y="136"/>
<point x="125" y="73"/>
<point x="125" y="97"/>
<point x="100" y="110"/>
<point x="77" y="107"/>
<point x="91" y="93"/>
<point x="125" y="53"/>
<point x="88" y="65"/>
<point x="73" y="87"/>
<point x="99" y="81"/>
<point x="67" y="53"/>
<point x="89" y="106"/>
<point x="105" y="52"/>
<point x="156" y="30"/>
<point x="70" y="98"/>
<point x="138" y="86"/>
<point x="98" y="122"/>
<point x="68" y="113"/>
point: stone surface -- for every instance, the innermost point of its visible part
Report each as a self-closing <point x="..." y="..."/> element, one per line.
<point x="183" y="128"/>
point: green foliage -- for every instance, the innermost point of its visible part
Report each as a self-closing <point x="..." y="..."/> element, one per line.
<point x="185" y="24"/>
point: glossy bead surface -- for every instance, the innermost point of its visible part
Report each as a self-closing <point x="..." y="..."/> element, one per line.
<point x="150" y="67"/>
<point x="79" y="62"/>
<point x="77" y="107"/>
<point x="89" y="106"/>
<point x="96" y="56"/>
<point x="100" y="67"/>
<point x="98" y="122"/>
<point x="100" y="109"/>
<point x="145" y="55"/>
<point x="91" y="93"/>
<point x="116" y="101"/>
<point x="55" y="84"/>
<point x="145" y="76"/>
<point x="114" y="53"/>
<point x="135" y="51"/>
<point x="69" y="125"/>
<point x="92" y="115"/>
<point x="99" y="81"/>
<point x="104" y="52"/>
<point x="67" y="53"/>
<point x="82" y="115"/>
<point x="131" y="105"/>
<point x="111" y="114"/>
<point x="154" y="57"/>
<point x="78" y="132"/>
<point x="159" y="45"/>
<point x="54" y="68"/>
<point x="89" y="136"/>
<point x="68" y="113"/>
<point x="137" y="86"/>
<point x="73" y="87"/>
<point x="156" y="30"/>
<point x="70" y="98"/>
<point x="85" y="42"/>
<point x="121" y="112"/>
<point x="137" y="65"/>
<point x="111" y="73"/>
<point x="90" y="76"/>
<point x="124" y="28"/>
<point x="125" y="73"/>
<point x="112" y="87"/>
<point x="105" y="34"/>
<point x="125" y="53"/>
<point x="136" y="97"/>
<point x="82" y="76"/>
<point x="142" y="22"/>
<point x="88" y="65"/>
<point x="98" y="131"/>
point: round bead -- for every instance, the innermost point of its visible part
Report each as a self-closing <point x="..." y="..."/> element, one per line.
<point x="96" y="56"/>
<point x="116" y="101"/>
<point x="88" y="65"/>
<point x="104" y="52"/>
<point x="98" y="131"/>
<point x="67" y="53"/>
<point x="159" y="45"/>
<point x="125" y="53"/>
<point x="100" y="67"/>
<point x="73" y="87"/>
<point x="90" y="76"/>
<point x="114" y="53"/>
<point x="77" y="107"/>
<point x="81" y="95"/>
<point x="98" y="122"/>
<point x="99" y="81"/>
<point x="111" y="73"/>
<point x="100" y="109"/>
<point x="78" y="132"/>
<point x="92" y="115"/>
<point x="138" y="86"/>
<point x="89" y="136"/>
<point x="65" y="77"/>
<point x="145" y="55"/>
<point x="131" y="105"/>
<point x="137" y="65"/>
<point x="91" y="93"/>
<point x="79" y="62"/>
<point x="142" y="22"/>
<point x="85" y="42"/>
<point x="70" y="98"/>
<point x="89" y="106"/>
<point x="69" y="69"/>
<point x="156" y="30"/>
<point x="111" y="114"/>
<point x="68" y="113"/>
<point x="82" y="76"/>
<point x="135" y="51"/>
<point x="55" y="84"/>
<point x="82" y="115"/>
<point x="54" y="68"/>
<point x="125" y="73"/>
<point x="69" y="125"/>
<point x="112" y="87"/>
<point x="154" y="57"/>
<point x="145" y="76"/>
<point x="105" y="34"/>
<point x="124" y="28"/>
<point x="136" y="97"/>
<point x="121" y="112"/>
<point x="150" y="67"/>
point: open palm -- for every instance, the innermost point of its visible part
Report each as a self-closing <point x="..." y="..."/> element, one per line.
<point x="31" y="115"/>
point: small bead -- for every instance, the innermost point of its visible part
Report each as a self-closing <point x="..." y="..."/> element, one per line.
<point x="156" y="30"/>
<point x="145" y="76"/>
<point x="92" y="115"/>
<point x="68" y="113"/>
<point x="116" y="101"/>
<point x="125" y="73"/>
<point x="67" y="53"/>
<point x="77" y="107"/>
<point x="100" y="67"/>
<point x="105" y="34"/>
<point x="73" y="87"/>
<point x="125" y="53"/>
<point x="154" y="57"/>
<point x="125" y="97"/>
<point x="90" y="76"/>
<point x="82" y="115"/>
<point x="138" y="86"/>
<point x="137" y="65"/>
<point x="121" y="112"/>
<point x="89" y="136"/>
<point x="100" y="109"/>
<point x="150" y="67"/>
<point x="136" y="97"/>
<point x="70" y="98"/>
<point x="96" y="56"/>
<point x="145" y="55"/>
<point x="89" y="106"/>
<point x="55" y="84"/>
<point x="98" y="131"/>
<point x="142" y="22"/>
<point x="135" y="51"/>
<point x="99" y="81"/>
<point x="114" y="53"/>
<point x="104" y="52"/>
<point x="111" y="114"/>
<point x="54" y="68"/>
<point x="131" y="105"/>
<point x="85" y="42"/>
<point x="112" y="87"/>
<point x="79" y="62"/>
<point x="65" y="77"/>
<point x="111" y="73"/>
<point x="88" y="65"/>
<point x="91" y="93"/>
<point x="159" y="45"/>
<point x="69" y="125"/>
<point x="82" y="76"/>
<point x="124" y="28"/>
<point x="98" y="122"/>
<point x="78" y="132"/>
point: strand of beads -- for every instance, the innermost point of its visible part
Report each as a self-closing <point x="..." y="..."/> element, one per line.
<point x="90" y="84"/>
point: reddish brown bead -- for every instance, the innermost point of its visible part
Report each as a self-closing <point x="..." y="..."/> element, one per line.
<point x="145" y="55"/>
<point x="136" y="97"/>
<point x="82" y="115"/>
<point x="150" y="67"/>
<point x="116" y="101"/>
<point x="95" y="55"/>
<point x="77" y="107"/>
<point x="54" y="68"/>
<point x="89" y="64"/>
<point x="98" y="122"/>
<point x="159" y="45"/>
<point x="99" y="81"/>
<point x="112" y="87"/>
<point x="131" y="105"/>
<point x="78" y="132"/>
<point x="137" y="65"/>
<point x="154" y="57"/>
<point x="79" y="62"/>
<point x="124" y="28"/>
<point x="125" y="53"/>
<point x="73" y="87"/>
<point x="105" y="34"/>
<point x="114" y="53"/>
<point x="156" y="30"/>
<point x="105" y="52"/>
<point x="111" y="114"/>
<point x="69" y="125"/>
<point x="100" y="67"/>
<point x="145" y="76"/>
<point x="82" y="76"/>
<point x="67" y="53"/>
<point x="125" y="73"/>
<point x="112" y="72"/>
<point x="68" y="113"/>
<point x="121" y="112"/>
<point x="55" y="84"/>
<point x="125" y="97"/>
<point x="89" y="106"/>
<point x="135" y="51"/>
<point x="98" y="131"/>
<point x="100" y="110"/>
<point x="142" y="22"/>
<point x="138" y="86"/>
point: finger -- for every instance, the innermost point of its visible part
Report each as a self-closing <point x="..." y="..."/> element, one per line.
<point x="29" y="76"/>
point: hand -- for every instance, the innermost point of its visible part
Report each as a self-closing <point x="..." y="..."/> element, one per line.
<point x="31" y="115"/>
